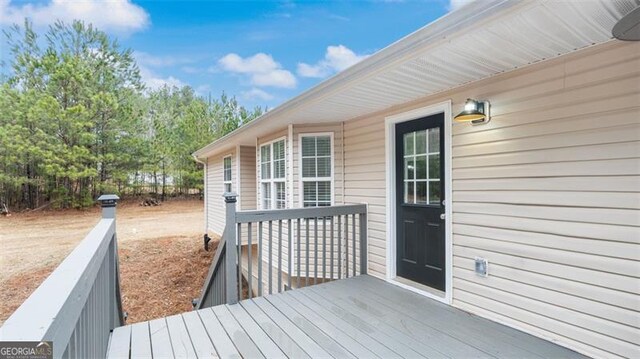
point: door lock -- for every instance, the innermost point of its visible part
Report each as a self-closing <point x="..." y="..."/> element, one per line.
<point x="443" y="216"/>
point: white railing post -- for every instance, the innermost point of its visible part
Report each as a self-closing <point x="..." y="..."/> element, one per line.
<point x="231" y="262"/>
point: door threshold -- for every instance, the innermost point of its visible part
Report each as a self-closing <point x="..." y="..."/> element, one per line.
<point x="420" y="289"/>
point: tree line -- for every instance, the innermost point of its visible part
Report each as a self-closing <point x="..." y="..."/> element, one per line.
<point x="76" y="121"/>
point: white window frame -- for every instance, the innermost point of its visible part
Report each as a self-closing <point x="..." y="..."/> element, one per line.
<point x="230" y="181"/>
<point x="272" y="181"/>
<point x="302" y="180"/>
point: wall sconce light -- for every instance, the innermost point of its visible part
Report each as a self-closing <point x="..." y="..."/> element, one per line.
<point x="475" y="111"/>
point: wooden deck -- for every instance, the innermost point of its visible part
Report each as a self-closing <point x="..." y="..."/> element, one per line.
<point x="359" y="317"/>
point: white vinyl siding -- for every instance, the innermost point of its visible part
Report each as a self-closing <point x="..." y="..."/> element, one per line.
<point x="547" y="192"/>
<point x="273" y="174"/>
<point x="316" y="173"/>
<point x="215" y="189"/>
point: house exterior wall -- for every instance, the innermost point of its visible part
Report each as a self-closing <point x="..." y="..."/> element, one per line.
<point x="547" y="192"/>
<point x="215" y="189"/>
<point x="247" y="178"/>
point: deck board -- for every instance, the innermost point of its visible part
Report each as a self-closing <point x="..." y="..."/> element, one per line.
<point x="160" y="340"/>
<point x="360" y="317"/>
<point x="199" y="338"/>
<point x="140" y="341"/>
<point x="259" y="337"/>
<point x="236" y="332"/>
<point x="314" y="342"/>
<point x="180" y="339"/>
<point x="279" y="336"/>
<point x="328" y="327"/>
<point x="120" y="343"/>
<point x="221" y="340"/>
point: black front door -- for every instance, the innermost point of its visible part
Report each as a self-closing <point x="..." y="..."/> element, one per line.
<point x="420" y="243"/>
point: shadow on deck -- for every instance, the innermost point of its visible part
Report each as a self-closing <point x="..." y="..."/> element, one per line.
<point x="361" y="317"/>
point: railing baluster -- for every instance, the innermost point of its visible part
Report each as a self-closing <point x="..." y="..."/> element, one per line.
<point x="339" y="247"/>
<point x="346" y="245"/>
<point x="363" y="243"/>
<point x="270" y="257"/>
<point x="289" y="253"/>
<point x="315" y="250"/>
<point x="279" y="256"/>
<point x="239" y="261"/>
<point x="332" y="248"/>
<point x="306" y="279"/>
<point x="250" y="273"/>
<point x="299" y="250"/>
<point x="260" y="229"/>
<point x="324" y="248"/>
<point x="353" y="235"/>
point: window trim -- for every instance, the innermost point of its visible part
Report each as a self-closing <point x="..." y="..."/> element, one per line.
<point x="301" y="179"/>
<point x="272" y="181"/>
<point x="226" y="182"/>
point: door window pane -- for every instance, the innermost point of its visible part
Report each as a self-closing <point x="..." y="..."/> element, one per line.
<point x="434" y="166"/>
<point x="422" y="167"/>
<point x="409" y="144"/>
<point x="421" y="142"/>
<point x="434" y="140"/>
<point x="421" y="192"/>
<point x="434" y="192"/>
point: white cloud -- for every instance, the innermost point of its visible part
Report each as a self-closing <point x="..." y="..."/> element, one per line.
<point x="456" y="4"/>
<point x="261" y="68"/>
<point x="146" y="59"/>
<point x="154" y="81"/>
<point x="337" y="58"/>
<point x="256" y="94"/>
<point x="114" y="15"/>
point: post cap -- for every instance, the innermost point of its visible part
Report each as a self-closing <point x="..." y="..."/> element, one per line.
<point x="108" y="200"/>
<point x="230" y="197"/>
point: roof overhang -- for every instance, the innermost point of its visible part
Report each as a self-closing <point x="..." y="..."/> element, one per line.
<point x="478" y="41"/>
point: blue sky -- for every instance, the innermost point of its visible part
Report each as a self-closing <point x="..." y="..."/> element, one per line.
<point x="262" y="52"/>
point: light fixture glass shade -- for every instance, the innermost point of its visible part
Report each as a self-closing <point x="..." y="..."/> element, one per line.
<point x="474" y="112"/>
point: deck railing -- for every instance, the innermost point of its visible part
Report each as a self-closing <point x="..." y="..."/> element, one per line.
<point x="311" y="245"/>
<point x="78" y="305"/>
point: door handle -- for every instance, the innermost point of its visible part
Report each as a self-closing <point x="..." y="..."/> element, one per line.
<point x="443" y="216"/>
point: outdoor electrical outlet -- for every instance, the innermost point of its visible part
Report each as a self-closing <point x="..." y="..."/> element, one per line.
<point x="482" y="267"/>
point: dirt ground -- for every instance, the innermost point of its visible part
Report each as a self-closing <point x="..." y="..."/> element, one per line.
<point x="162" y="259"/>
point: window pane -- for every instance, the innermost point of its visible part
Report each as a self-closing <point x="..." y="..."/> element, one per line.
<point x="309" y="167"/>
<point x="323" y="146"/>
<point x="409" y="168"/>
<point x="227" y="187"/>
<point x="421" y="167"/>
<point x="278" y="150"/>
<point x="265" y="153"/>
<point x="308" y="146"/>
<point x="278" y="169"/>
<point x="266" y="195"/>
<point x="434" y="166"/>
<point x="408" y="143"/>
<point x="408" y="192"/>
<point x="421" y="192"/>
<point x="280" y="195"/>
<point x="434" y="139"/>
<point x="324" y="191"/>
<point x="265" y="170"/>
<point x="324" y="167"/>
<point x="310" y="192"/>
<point x="421" y="142"/>
<point x="227" y="168"/>
<point x="434" y="192"/>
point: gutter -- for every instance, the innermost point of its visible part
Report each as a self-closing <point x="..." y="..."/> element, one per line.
<point x="206" y="207"/>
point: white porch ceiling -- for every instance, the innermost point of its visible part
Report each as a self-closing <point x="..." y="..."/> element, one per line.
<point x="481" y="40"/>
